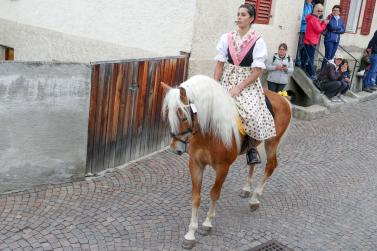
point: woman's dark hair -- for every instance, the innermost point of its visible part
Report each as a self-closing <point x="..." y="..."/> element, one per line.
<point x="250" y="9"/>
<point x="337" y="6"/>
<point x="284" y="46"/>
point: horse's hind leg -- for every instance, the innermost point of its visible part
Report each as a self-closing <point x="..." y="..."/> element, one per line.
<point x="271" y="164"/>
<point x="221" y="173"/>
<point x="196" y="179"/>
<point x="246" y="190"/>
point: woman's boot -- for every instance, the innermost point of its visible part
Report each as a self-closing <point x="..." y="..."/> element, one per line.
<point x="252" y="156"/>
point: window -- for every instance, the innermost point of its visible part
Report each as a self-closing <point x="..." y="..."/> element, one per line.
<point x="263" y="8"/>
<point x="368" y="17"/>
<point x="350" y="13"/>
<point x="6" y="53"/>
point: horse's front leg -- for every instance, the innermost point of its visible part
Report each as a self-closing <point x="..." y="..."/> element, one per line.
<point x="221" y="173"/>
<point x="246" y="190"/>
<point x="271" y="164"/>
<point x="196" y="179"/>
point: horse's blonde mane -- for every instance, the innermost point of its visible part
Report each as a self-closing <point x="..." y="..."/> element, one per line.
<point x="217" y="111"/>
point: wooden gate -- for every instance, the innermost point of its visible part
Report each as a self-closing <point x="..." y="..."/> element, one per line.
<point x="125" y="120"/>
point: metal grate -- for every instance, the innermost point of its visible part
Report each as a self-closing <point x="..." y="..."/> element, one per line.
<point x="271" y="245"/>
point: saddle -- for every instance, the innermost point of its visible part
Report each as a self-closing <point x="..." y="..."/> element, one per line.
<point x="248" y="142"/>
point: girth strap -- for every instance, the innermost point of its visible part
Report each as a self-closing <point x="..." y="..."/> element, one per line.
<point x="269" y="106"/>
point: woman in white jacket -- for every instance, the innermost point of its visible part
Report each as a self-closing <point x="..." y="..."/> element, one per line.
<point x="279" y="67"/>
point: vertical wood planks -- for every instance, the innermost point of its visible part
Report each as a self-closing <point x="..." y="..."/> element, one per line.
<point x="125" y="120"/>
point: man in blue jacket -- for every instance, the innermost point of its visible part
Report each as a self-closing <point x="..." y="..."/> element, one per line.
<point x="370" y="78"/>
<point x="334" y="28"/>
<point x="308" y="8"/>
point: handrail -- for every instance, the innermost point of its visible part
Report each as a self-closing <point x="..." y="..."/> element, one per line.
<point x="349" y="54"/>
<point x="357" y="63"/>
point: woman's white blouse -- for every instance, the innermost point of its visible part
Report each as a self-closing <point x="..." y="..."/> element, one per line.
<point x="259" y="52"/>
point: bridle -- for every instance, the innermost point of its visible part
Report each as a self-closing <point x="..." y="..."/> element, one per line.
<point x="178" y="136"/>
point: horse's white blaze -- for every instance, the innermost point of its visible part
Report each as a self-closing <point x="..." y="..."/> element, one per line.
<point x="210" y="214"/>
<point x="193" y="224"/>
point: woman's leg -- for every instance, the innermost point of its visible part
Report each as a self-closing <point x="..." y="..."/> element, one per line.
<point x="344" y="88"/>
<point x="328" y="52"/>
<point x="370" y="78"/>
<point x="279" y="87"/>
<point x="334" y="49"/>
<point x="273" y="86"/>
<point x="331" y="88"/>
<point x="310" y="49"/>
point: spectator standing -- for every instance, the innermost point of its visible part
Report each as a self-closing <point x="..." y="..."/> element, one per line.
<point x="314" y="28"/>
<point x="370" y="78"/>
<point x="330" y="78"/>
<point x="334" y="29"/>
<point x="308" y="9"/>
<point x="279" y="67"/>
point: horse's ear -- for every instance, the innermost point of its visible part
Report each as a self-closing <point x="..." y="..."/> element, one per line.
<point x="182" y="93"/>
<point x="165" y="86"/>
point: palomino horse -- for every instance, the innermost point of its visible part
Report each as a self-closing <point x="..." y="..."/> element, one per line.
<point x="202" y="112"/>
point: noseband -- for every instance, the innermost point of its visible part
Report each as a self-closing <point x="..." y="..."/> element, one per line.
<point x="191" y="130"/>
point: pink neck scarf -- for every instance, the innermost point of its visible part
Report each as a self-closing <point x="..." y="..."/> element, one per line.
<point x="238" y="51"/>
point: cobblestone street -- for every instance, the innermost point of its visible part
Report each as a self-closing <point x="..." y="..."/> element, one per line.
<point x="323" y="196"/>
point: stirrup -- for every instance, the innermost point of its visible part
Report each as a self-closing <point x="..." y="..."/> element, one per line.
<point x="252" y="157"/>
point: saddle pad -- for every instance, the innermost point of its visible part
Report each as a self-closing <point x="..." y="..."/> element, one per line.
<point x="241" y="129"/>
<point x="269" y="106"/>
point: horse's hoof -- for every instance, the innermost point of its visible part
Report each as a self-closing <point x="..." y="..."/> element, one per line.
<point x="203" y="230"/>
<point x="254" y="207"/>
<point x="188" y="244"/>
<point x="245" y="194"/>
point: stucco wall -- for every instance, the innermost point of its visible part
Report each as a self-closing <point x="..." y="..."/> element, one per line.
<point x="44" y="119"/>
<point x="37" y="44"/>
<point x="212" y="19"/>
<point x="159" y="26"/>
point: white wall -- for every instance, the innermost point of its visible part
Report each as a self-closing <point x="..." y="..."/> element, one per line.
<point x="283" y="27"/>
<point x="31" y="43"/>
<point x="163" y="26"/>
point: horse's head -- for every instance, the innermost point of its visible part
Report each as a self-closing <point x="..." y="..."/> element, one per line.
<point x="181" y="115"/>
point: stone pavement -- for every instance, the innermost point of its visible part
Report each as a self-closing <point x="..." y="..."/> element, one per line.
<point x="323" y="197"/>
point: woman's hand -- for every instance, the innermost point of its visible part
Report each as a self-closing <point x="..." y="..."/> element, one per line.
<point x="343" y="68"/>
<point x="235" y="91"/>
<point x="279" y="68"/>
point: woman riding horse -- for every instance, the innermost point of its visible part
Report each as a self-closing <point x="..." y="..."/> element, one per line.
<point x="239" y="64"/>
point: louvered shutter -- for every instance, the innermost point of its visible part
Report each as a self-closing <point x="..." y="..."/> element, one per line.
<point x="345" y="5"/>
<point x="368" y="17"/>
<point x="263" y="8"/>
